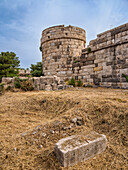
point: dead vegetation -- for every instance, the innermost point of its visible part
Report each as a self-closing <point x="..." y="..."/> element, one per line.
<point x="32" y="122"/>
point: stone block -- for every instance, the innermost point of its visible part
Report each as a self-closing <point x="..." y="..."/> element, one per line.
<point x="42" y="86"/>
<point x="48" y="87"/>
<point x="98" y="68"/>
<point x="73" y="149"/>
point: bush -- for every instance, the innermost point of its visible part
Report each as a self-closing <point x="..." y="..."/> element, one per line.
<point x="17" y="83"/>
<point x="9" y="88"/>
<point x="125" y="76"/>
<point x="89" y="50"/>
<point x="24" y="84"/>
<point x="79" y="83"/>
<point x="72" y="82"/>
<point x="1" y="88"/>
<point x="37" y="73"/>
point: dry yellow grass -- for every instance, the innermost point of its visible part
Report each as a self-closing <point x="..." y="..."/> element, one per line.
<point x="22" y="146"/>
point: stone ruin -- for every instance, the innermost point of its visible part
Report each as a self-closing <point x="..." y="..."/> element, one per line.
<point x="47" y="83"/>
<point x="64" y="56"/>
<point x="73" y="149"/>
<point x="102" y="63"/>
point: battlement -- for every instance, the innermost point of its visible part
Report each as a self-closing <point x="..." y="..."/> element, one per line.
<point x="62" y="32"/>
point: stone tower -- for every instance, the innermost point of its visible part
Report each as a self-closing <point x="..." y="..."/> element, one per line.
<point x="61" y="47"/>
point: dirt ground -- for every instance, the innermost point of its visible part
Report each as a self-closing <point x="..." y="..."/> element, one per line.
<point x="32" y="122"/>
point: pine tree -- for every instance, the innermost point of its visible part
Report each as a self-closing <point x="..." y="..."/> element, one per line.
<point x="9" y="64"/>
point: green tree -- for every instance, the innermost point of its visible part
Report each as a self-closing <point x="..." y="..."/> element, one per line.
<point x="37" y="69"/>
<point x="9" y="64"/>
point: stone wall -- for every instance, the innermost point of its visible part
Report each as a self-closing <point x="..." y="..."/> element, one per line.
<point x="39" y="83"/>
<point x="60" y="46"/>
<point x="102" y="63"/>
<point x="105" y="59"/>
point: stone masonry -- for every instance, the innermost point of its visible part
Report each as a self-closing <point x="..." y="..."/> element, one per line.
<point x="102" y="63"/>
<point x="77" y="148"/>
<point x="47" y="83"/>
<point x="59" y="46"/>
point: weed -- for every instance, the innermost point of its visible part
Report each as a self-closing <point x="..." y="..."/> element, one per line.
<point x="72" y="82"/>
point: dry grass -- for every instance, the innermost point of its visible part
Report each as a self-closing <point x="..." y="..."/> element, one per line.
<point x="22" y="146"/>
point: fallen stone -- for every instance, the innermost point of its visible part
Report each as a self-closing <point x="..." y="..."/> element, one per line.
<point x="73" y="149"/>
<point x="34" y="133"/>
<point x="79" y="118"/>
<point x="79" y="123"/>
<point x="38" y="127"/>
<point x="52" y="131"/>
<point x="43" y="134"/>
<point x="15" y="149"/>
<point x="40" y="146"/>
<point x="74" y="120"/>
<point x="24" y="134"/>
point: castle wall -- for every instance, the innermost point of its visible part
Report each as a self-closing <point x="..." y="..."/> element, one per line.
<point x="105" y="59"/>
<point x="59" y="47"/>
<point x="102" y="63"/>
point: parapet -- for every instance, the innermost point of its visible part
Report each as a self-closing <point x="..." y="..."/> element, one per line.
<point x="63" y="32"/>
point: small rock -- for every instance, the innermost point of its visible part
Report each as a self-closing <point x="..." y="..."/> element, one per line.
<point x="57" y="123"/>
<point x="64" y="128"/>
<point x="15" y="149"/>
<point x="79" y="118"/>
<point x="40" y="146"/>
<point x="43" y="101"/>
<point x="64" y="134"/>
<point x="43" y="134"/>
<point x="103" y="121"/>
<point x="77" y="102"/>
<point x="37" y="127"/>
<point x="79" y="123"/>
<point x="69" y="127"/>
<point x="52" y="131"/>
<point x="74" y="120"/>
<point x="24" y="134"/>
<point x="34" y="133"/>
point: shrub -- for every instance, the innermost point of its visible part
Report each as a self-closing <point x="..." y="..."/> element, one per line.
<point x="125" y="76"/>
<point x="17" y="83"/>
<point x="1" y="88"/>
<point x="72" y="82"/>
<point x="79" y="83"/>
<point x="24" y="84"/>
<point x="9" y="88"/>
<point x="89" y="50"/>
<point x="76" y="61"/>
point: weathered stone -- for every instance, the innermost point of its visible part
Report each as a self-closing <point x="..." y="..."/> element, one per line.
<point x="71" y="150"/>
<point x="48" y="87"/>
<point x="98" y="68"/>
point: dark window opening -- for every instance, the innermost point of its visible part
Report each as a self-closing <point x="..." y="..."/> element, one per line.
<point x="66" y="33"/>
<point x="48" y="36"/>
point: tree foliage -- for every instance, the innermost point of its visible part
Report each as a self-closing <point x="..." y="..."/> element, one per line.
<point x="37" y="69"/>
<point x="9" y="64"/>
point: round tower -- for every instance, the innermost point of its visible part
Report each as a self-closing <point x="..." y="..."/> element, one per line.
<point x="61" y="46"/>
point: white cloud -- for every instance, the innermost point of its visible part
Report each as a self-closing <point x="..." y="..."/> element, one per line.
<point x="94" y="16"/>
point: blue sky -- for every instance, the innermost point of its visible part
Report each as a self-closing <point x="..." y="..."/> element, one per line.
<point x="22" y="21"/>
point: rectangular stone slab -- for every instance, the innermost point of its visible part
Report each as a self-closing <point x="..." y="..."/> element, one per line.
<point x="73" y="149"/>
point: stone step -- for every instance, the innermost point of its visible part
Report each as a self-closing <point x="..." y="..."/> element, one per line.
<point x="73" y="149"/>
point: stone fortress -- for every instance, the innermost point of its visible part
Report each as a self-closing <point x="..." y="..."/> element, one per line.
<point x="102" y="63"/>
